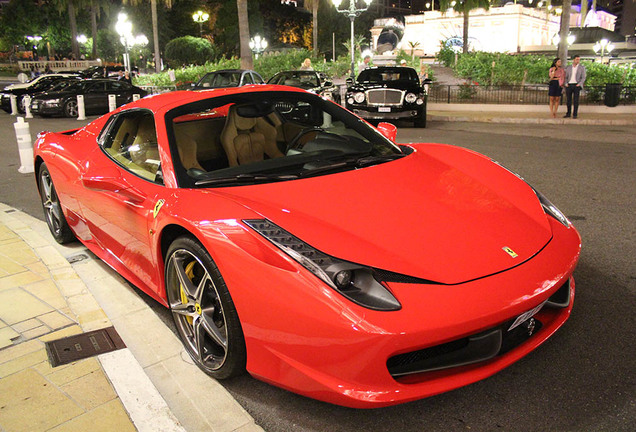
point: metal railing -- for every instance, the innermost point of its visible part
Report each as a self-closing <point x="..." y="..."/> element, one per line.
<point x="520" y="95"/>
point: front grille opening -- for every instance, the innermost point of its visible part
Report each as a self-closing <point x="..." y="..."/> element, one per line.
<point x="561" y="298"/>
<point x="465" y="351"/>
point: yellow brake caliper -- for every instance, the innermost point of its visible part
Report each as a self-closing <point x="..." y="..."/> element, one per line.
<point x="189" y="270"/>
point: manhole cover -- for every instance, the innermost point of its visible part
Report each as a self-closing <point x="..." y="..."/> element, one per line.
<point x="84" y="345"/>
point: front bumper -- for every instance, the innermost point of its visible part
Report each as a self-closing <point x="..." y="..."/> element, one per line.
<point x="395" y="113"/>
<point x="43" y="108"/>
<point x="337" y="352"/>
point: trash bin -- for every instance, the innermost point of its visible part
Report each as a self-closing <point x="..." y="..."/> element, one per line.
<point x="612" y="94"/>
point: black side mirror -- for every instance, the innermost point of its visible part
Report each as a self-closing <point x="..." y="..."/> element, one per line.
<point x="328" y="84"/>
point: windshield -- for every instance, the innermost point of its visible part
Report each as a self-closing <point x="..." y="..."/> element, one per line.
<point x="262" y="137"/>
<point x="221" y="79"/>
<point x="61" y="85"/>
<point x="305" y="80"/>
<point x="382" y="75"/>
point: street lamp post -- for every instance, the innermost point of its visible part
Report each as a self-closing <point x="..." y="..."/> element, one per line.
<point x="352" y="13"/>
<point x="124" y="29"/>
<point x="200" y="17"/>
<point x="604" y="46"/>
<point x="258" y="45"/>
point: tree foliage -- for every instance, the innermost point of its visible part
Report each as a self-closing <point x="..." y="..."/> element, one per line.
<point x="188" y="50"/>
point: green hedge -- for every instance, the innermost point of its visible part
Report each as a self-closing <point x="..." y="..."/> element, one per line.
<point x="514" y="69"/>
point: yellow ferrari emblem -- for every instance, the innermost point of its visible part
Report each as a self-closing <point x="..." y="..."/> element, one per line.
<point x="158" y="206"/>
<point x="510" y="252"/>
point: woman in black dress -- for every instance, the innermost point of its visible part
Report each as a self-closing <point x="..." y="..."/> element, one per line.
<point x="557" y="77"/>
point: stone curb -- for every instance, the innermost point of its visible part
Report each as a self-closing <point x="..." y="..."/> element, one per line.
<point x="500" y="119"/>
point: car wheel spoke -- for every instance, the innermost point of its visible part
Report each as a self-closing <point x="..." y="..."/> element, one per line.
<point x="178" y="264"/>
<point x="185" y="309"/>
<point x="217" y="334"/>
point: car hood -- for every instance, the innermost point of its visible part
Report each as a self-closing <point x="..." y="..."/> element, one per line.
<point x="53" y="95"/>
<point x="17" y="86"/>
<point x="442" y="213"/>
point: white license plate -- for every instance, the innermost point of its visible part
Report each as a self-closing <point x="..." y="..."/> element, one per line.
<point x="526" y="316"/>
<point x="384" y="109"/>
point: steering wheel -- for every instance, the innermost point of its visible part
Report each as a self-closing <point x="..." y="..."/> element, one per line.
<point x="294" y="143"/>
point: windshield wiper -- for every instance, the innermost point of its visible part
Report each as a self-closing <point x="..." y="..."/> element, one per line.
<point x="351" y="162"/>
<point x="245" y="178"/>
<point x="373" y="160"/>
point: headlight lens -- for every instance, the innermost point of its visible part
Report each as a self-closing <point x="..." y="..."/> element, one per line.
<point x="355" y="282"/>
<point x="358" y="97"/>
<point x="551" y="209"/>
<point x="410" y="98"/>
<point x="52" y="102"/>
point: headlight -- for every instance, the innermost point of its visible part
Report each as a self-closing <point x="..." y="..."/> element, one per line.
<point x="52" y="102"/>
<point x="410" y="98"/>
<point x="358" y="97"/>
<point x="551" y="209"/>
<point x="355" y="282"/>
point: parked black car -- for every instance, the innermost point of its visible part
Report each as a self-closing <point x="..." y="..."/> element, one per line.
<point x="388" y="93"/>
<point x="36" y="85"/>
<point x="95" y="92"/>
<point x="228" y="78"/>
<point x="316" y="82"/>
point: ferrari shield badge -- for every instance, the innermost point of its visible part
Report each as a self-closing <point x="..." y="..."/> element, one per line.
<point x="510" y="252"/>
<point x="158" y="206"/>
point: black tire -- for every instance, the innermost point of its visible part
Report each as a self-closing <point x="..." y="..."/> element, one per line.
<point x="53" y="212"/>
<point x="203" y="310"/>
<point x="70" y="108"/>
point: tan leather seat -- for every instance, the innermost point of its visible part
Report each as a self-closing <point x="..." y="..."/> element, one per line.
<point x="247" y="140"/>
<point x="144" y="150"/>
<point x="187" y="148"/>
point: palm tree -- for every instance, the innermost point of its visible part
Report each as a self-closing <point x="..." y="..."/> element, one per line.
<point x="464" y="7"/>
<point x="69" y="6"/>
<point x="244" y="35"/>
<point x="314" y="12"/>
<point x="96" y="7"/>
<point x="564" y="31"/>
<point x="155" y="26"/>
<point x="413" y="45"/>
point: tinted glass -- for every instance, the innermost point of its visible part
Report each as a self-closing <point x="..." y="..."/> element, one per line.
<point x="381" y="75"/>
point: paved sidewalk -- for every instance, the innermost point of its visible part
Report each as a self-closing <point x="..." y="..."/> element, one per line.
<point x="42" y="299"/>
<point x="530" y="114"/>
<point x="151" y="385"/>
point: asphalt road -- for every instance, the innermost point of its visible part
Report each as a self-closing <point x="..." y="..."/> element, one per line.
<point x="582" y="379"/>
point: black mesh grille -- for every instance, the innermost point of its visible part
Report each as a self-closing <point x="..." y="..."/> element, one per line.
<point x="385" y="97"/>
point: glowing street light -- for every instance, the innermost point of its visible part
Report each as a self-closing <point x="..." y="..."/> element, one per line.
<point x="352" y="13"/>
<point x="557" y="38"/>
<point x="124" y="29"/>
<point x="258" y="45"/>
<point x="604" y="46"/>
<point x="200" y="17"/>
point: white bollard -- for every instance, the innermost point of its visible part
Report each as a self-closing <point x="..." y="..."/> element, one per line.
<point x="112" y="102"/>
<point x="81" y="109"/>
<point x="136" y="97"/>
<point x="27" y="106"/>
<point x="25" y="145"/>
<point x="14" y="105"/>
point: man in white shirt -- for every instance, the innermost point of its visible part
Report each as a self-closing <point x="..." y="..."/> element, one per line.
<point x="574" y="80"/>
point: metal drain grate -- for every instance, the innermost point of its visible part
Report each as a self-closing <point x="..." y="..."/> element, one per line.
<point x="84" y="345"/>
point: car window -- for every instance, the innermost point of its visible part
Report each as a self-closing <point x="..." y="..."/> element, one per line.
<point x="238" y="137"/>
<point x="247" y="79"/>
<point x="382" y="75"/>
<point x="95" y="87"/>
<point x="131" y="140"/>
<point x="115" y="86"/>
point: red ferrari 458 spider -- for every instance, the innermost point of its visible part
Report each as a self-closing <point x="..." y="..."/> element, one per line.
<point x="291" y="239"/>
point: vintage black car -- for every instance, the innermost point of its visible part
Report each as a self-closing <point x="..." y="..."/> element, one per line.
<point x="387" y="93"/>
<point x="315" y="82"/>
<point x="95" y="92"/>
<point x="36" y="85"/>
<point x="228" y="78"/>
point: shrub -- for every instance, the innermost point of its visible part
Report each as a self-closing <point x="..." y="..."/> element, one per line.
<point x="188" y="50"/>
